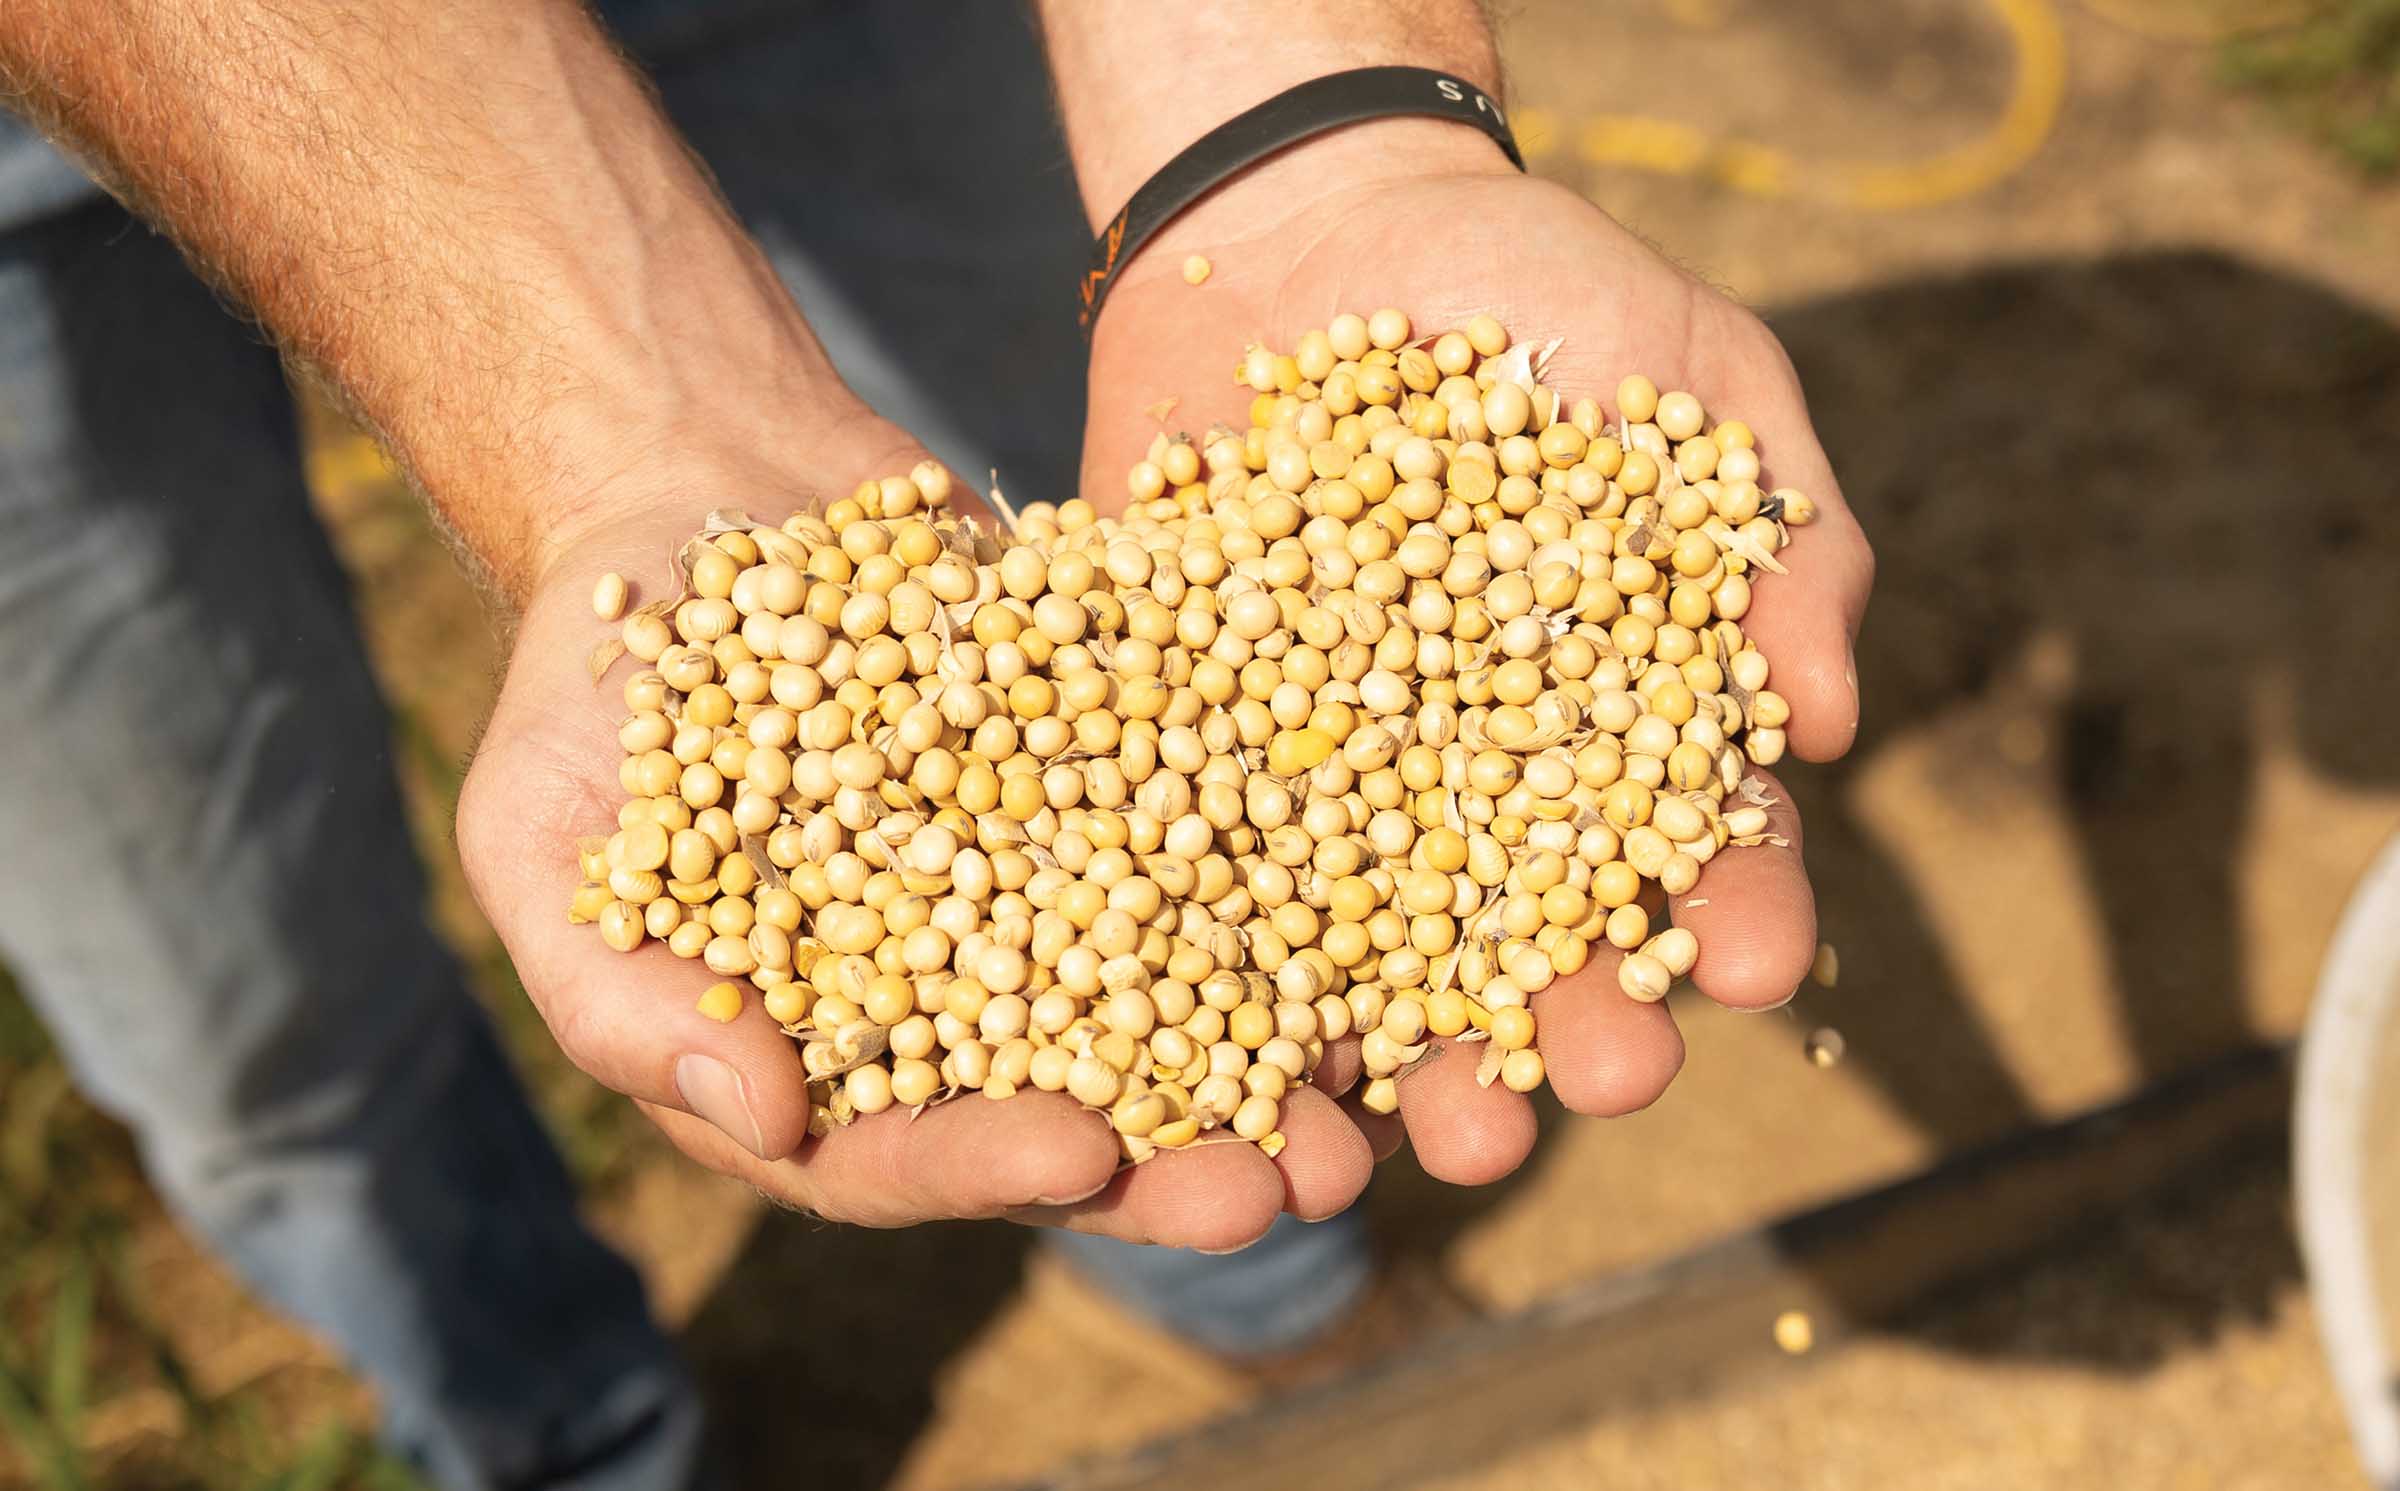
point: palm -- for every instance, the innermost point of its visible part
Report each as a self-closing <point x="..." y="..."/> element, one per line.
<point x="1549" y="265"/>
<point x="545" y="777"/>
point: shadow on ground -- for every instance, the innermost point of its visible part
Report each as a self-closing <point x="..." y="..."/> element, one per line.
<point x="2181" y="465"/>
<point x="2205" y="1251"/>
<point x="821" y="1344"/>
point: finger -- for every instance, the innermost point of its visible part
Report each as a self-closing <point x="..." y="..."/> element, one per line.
<point x="631" y="1021"/>
<point x="1338" y="1069"/>
<point x="1463" y="1133"/>
<point x="1806" y="621"/>
<point x="1217" y="1196"/>
<point x="1325" y="1161"/>
<point x="711" y="1148"/>
<point x="1754" y="914"/>
<point x="1605" y="1054"/>
<point x="967" y="1158"/>
<point x="1384" y="1132"/>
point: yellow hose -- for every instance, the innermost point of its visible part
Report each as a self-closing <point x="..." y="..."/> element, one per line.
<point x="1758" y="169"/>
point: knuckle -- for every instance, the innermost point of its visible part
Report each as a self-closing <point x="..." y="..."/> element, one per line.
<point x="575" y="1024"/>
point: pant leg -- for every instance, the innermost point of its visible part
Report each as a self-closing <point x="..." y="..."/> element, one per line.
<point x="919" y="200"/>
<point x="1276" y="1295"/>
<point x="900" y="161"/>
<point x="219" y="912"/>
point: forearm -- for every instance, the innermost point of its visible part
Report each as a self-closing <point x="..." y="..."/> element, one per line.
<point x="467" y="214"/>
<point x="1138" y="83"/>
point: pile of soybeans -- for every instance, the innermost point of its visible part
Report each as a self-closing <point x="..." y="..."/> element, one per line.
<point x="1369" y="719"/>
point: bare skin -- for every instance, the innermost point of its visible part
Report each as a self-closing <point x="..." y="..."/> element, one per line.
<point x="516" y="274"/>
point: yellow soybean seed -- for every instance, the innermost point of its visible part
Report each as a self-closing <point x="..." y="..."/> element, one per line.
<point x="1637" y="399"/>
<point x="1147" y="807"/>
<point x="1826" y="969"/>
<point x="1678" y="416"/>
<point x="721" y="1003"/>
<point x="1522" y="1071"/>
<point x="1512" y="1028"/>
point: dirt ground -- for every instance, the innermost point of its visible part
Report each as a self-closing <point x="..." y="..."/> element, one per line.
<point x="2109" y="362"/>
<point x="2169" y="1352"/>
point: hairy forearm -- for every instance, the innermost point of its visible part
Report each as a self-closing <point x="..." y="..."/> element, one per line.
<point x="1138" y="83"/>
<point x="468" y="215"/>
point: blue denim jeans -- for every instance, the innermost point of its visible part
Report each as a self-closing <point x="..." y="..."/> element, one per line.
<point x="224" y="930"/>
<point x="222" y="916"/>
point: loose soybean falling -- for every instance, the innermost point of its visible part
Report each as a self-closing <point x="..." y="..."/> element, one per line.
<point x="1825" y="1047"/>
<point x="1371" y="718"/>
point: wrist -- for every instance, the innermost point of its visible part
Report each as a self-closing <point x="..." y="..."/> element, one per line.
<point x="624" y="494"/>
<point x="1126" y="116"/>
<point x="692" y="397"/>
<point x="1296" y="189"/>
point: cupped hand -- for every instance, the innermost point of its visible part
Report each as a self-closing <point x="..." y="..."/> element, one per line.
<point x="733" y="1095"/>
<point x="1429" y="218"/>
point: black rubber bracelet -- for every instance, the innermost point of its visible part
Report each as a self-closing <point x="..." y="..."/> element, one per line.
<point x="1284" y="120"/>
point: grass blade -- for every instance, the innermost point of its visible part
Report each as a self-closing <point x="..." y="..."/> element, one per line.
<point x="51" y="1457"/>
<point x="71" y="1348"/>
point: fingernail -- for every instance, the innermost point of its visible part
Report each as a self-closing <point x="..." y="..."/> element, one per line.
<point x="1229" y="1252"/>
<point x="713" y="1090"/>
<point x="1071" y="1200"/>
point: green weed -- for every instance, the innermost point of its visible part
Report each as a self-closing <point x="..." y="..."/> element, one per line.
<point x="2336" y="75"/>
